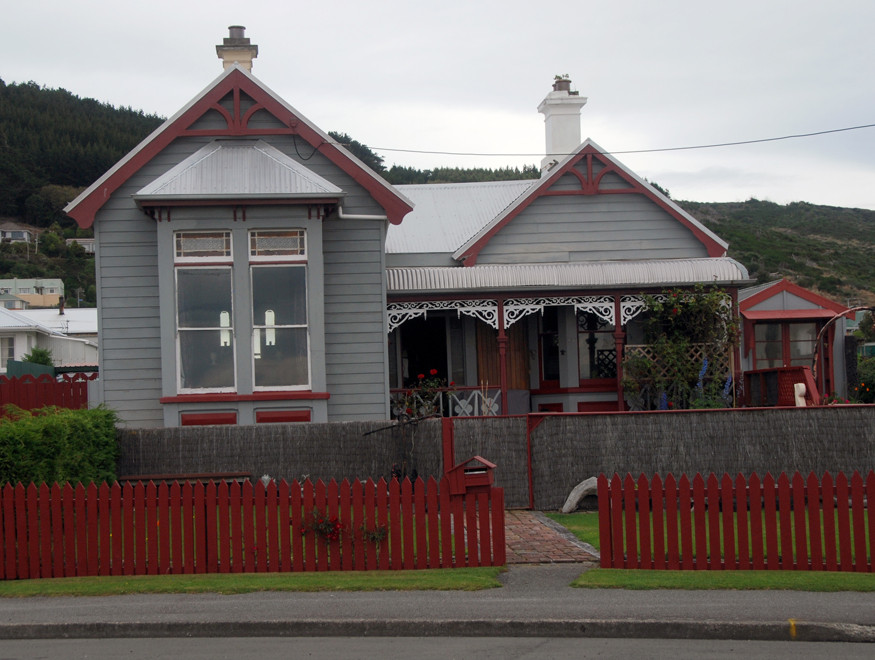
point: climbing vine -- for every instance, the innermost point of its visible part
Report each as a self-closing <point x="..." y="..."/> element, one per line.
<point x="689" y="337"/>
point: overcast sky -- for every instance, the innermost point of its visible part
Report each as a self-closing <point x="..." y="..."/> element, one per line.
<point x="467" y="76"/>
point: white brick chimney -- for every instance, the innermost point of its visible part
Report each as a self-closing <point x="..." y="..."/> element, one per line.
<point x="561" y="110"/>
<point x="236" y="48"/>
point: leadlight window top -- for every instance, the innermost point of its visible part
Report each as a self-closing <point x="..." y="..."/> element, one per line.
<point x="286" y="244"/>
<point x="202" y="245"/>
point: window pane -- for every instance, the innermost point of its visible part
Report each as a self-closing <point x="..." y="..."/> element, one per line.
<point x="803" y="332"/>
<point x="767" y="331"/>
<point x="206" y="359"/>
<point x="596" y="347"/>
<point x="281" y="290"/>
<point x="289" y="243"/>
<point x="769" y="355"/>
<point x="203" y="297"/>
<point x="550" y="344"/>
<point x="283" y="360"/>
<point x="203" y="244"/>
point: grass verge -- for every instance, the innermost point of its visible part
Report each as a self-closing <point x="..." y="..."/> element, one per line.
<point x="615" y="578"/>
<point x="457" y="579"/>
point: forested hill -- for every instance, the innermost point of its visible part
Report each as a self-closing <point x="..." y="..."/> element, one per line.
<point x="53" y="144"/>
<point x="827" y="249"/>
<point x="52" y="137"/>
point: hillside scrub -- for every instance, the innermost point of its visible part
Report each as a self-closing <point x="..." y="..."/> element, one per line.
<point x="57" y="445"/>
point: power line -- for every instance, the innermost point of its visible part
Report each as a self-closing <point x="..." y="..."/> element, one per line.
<point x="630" y="151"/>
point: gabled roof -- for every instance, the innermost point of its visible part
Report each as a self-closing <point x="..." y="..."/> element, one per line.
<point x="821" y="307"/>
<point x="237" y="170"/>
<point x="588" y="152"/>
<point x="445" y="215"/>
<point x="235" y="81"/>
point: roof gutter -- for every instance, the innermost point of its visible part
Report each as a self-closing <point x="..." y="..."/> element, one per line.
<point x="354" y="216"/>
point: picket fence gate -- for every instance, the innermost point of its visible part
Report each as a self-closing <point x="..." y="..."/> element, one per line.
<point x="768" y="524"/>
<point x="218" y="527"/>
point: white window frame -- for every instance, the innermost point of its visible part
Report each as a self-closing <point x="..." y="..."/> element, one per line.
<point x="223" y="256"/>
<point x="232" y="338"/>
<point x="298" y="260"/>
<point x="300" y="256"/>
<point x="221" y="260"/>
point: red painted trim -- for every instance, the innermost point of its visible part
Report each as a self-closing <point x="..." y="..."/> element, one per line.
<point x="448" y="444"/>
<point x="258" y="396"/>
<point x="596" y="406"/>
<point x="274" y="201"/>
<point x="556" y="407"/>
<point x="796" y="290"/>
<point x="783" y="315"/>
<point x="207" y="419"/>
<point x="235" y="82"/>
<point x="281" y="416"/>
<point x="203" y="264"/>
<point x="590" y="187"/>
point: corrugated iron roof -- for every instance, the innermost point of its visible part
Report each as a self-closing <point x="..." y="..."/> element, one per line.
<point x="604" y="274"/>
<point x="238" y="169"/>
<point x="445" y="215"/>
<point x="743" y="294"/>
<point x="10" y="320"/>
<point x="74" y="320"/>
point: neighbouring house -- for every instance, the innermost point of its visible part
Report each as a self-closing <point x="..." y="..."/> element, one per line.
<point x="782" y="326"/>
<point x="77" y="322"/>
<point x="252" y="270"/>
<point x="8" y="301"/>
<point x="36" y="292"/>
<point x="15" y="232"/>
<point x="87" y="244"/>
<point x="20" y="334"/>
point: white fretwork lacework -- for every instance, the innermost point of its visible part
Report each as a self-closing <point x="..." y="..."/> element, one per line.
<point x="601" y="306"/>
<point x="632" y="306"/>
<point x="484" y="310"/>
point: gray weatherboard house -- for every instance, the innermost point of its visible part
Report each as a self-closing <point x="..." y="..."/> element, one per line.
<point x="251" y="270"/>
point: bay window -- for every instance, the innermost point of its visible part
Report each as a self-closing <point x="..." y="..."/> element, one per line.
<point x="223" y="283"/>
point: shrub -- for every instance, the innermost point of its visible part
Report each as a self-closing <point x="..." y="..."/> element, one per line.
<point x="864" y="390"/>
<point x="58" y="445"/>
<point x="39" y="356"/>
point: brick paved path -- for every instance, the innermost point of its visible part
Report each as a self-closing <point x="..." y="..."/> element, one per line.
<point x="532" y="538"/>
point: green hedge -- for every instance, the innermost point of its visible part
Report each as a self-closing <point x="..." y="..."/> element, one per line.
<point x="57" y="445"/>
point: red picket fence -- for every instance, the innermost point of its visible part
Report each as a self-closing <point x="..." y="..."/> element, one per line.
<point x="29" y="392"/>
<point x="788" y="524"/>
<point x="232" y="528"/>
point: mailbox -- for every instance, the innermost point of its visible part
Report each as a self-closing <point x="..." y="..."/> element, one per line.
<point x="472" y="475"/>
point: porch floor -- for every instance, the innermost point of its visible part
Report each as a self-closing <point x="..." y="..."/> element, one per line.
<point x="532" y="538"/>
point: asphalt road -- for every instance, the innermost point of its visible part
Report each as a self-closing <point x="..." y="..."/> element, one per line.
<point x="424" y="648"/>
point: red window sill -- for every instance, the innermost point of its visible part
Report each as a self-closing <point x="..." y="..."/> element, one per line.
<point x="231" y="397"/>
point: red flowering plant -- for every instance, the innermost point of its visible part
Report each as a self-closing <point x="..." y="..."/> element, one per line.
<point x="424" y="397"/>
<point x="325" y="527"/>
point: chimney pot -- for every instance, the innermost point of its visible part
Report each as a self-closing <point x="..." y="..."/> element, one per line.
<point x="237" y="49"/>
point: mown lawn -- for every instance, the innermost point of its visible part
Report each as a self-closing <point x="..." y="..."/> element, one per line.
<point x="454" y="579"/>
